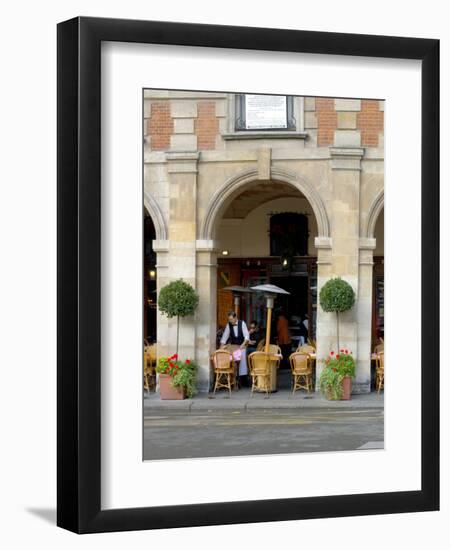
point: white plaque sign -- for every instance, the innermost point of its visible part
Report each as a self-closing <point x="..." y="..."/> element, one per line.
<point x="265" y="111"/>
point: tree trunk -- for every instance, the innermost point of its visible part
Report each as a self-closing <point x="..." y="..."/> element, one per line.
<point x="178" y="330"/>
<point x="337" y="319"/>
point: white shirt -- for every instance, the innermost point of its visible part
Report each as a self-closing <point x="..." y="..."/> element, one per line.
<point x="226" y="332"/>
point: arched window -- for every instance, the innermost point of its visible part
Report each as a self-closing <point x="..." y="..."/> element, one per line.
<point x="288" y="234"/>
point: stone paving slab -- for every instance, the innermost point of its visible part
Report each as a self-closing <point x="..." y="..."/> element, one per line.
<point x="241" y="400"/>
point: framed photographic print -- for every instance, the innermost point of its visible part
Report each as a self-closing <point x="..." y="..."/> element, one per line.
<point x="248" y="221"/>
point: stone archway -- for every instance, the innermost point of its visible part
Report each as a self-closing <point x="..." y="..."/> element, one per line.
<point x="237" y="183"/>
<point x="157" y="216"/>
<point x="207" y="241"/>
<point x="372" y="217"/>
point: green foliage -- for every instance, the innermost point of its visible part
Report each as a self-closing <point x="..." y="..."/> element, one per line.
<point x="337" y="366"/>
<point x="336" y="295"/>
<point x="183" y="373"/>
<point x="177" y="299"/>
<point x="187" y="377"/>
<point x="330" y="383"/>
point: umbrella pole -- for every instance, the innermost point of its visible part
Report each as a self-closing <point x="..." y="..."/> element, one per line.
<point x="269" y="322"/>
<point x="237" y="306"/>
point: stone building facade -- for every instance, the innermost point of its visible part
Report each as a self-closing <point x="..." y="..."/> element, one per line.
<point x="211" y="186"/>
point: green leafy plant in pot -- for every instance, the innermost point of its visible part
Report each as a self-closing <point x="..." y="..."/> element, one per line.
<point x="177" y="378"/>
<point x="335" y="379"/>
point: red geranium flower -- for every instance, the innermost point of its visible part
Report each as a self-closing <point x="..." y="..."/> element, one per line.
<point x="342" y="351"/>
<point x="337" y="356"/>
<point x="188" y="361"/>
<point x="346" y="351"/>
<point x="331" y="352"/>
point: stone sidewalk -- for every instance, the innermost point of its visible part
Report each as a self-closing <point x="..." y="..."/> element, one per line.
<point x="241" y="400"/>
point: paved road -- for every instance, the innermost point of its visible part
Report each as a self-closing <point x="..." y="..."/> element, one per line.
<point x="176" y="434"/>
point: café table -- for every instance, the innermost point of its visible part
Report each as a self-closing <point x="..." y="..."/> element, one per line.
<point x="274" y="362"/>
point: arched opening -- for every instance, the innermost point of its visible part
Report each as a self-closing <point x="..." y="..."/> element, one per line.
<point x="378" y="280"/>
<point x="265" y="233"/>
<point x="149" y="277"/>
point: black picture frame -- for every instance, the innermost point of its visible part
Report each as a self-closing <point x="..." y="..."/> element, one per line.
<point x="79" y="281"/>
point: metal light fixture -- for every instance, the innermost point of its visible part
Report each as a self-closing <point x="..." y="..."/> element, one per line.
<point x="237" y="292"/>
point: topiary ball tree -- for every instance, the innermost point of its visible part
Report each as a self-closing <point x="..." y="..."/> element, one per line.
<point x="338" y="296"/>
<point x="177" y="299"/>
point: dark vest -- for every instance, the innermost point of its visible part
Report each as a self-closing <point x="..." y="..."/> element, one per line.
<point x="236" y="340"/>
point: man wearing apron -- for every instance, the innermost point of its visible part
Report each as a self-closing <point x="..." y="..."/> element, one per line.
<point x="236" y="333"/>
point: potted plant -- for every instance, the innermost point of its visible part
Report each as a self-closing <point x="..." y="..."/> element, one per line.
<point x="176" y="378"/>
<point x="335" y="380"/>
<point x="177" y="299"/>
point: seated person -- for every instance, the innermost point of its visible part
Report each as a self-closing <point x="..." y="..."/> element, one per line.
<point x="255" y="335"/>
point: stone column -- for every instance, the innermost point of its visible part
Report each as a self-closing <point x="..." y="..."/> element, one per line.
<point x="364" y="313"/>
<point x="345" y="174"/>
<point x="182" y="229"/>
<point x="207" y="310"/>
<point x="324" y="330"/>
<point x="161" y="248"/>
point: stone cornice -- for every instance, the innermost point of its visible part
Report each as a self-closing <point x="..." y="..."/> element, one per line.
<point x="182" y="161"/>
<point x="160" y="245"/>
<point x="206" y="245"/>
<point x="366" y="243"/>
<point x="323" y="243"/>
<point x="346" y="158"/>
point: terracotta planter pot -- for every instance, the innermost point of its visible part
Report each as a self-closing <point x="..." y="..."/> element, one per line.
<point x="167" y="391"/>
<point x="347" y="388"/>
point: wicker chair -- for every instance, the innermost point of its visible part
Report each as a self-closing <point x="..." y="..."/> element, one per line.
<point x="378" y="348"/>
<point x="306" y="348"/>
<point x="150" y="367"/>
<point x="231" y="348"/>
<point x="261" y="345"/>
<point x="312" y="343"/>
<point x="301" y="372"/>
<point x="379" y="372"/>
<point x="259" y="363"/>
<point x="274" y="349"/>
<point x="224" y="370"/>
